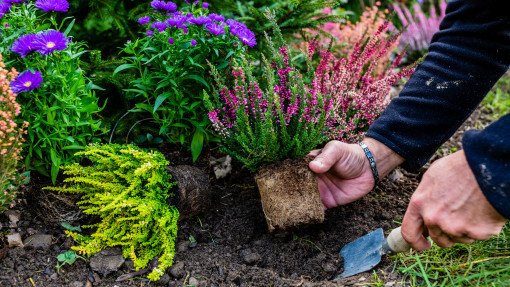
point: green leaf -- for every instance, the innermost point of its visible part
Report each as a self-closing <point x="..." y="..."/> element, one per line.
<point x="159" y="100"/>
<point x="123" y="67"/>
<point x="66" y="32"/>
<point x="198" y="79"/>
<point x="223" y="65"/>
<point x="70" y="227"/>
<point x="68" y="257"/>
<point x="197" y="143"/>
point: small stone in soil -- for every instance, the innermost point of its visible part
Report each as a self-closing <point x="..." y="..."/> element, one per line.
<point x="193" y="244"/>
<point x="77" y="284"/>
<point x="251" y="258"/>
<point x="182" y="246"/>
<point x="14" y="240"/>
<point x="54" y="276"/>
<point x="107" y="261"/>
<point x="177" y="270"/>
<point x="13" y="217"/>
<point x="193" y="281"/>
<point x="39" y="241"/>
<point x="47" y="271"/>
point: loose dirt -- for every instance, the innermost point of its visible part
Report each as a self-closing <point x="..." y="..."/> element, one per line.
<point x="230" y="245"/>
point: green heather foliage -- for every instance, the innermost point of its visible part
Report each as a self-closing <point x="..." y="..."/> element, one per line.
<point x="128" y="188"/>
<point x="284" y="118"/>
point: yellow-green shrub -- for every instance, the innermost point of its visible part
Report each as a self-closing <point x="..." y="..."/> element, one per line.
<point x="127" y="187"/>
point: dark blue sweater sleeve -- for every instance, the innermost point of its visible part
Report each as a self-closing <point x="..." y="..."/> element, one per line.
<point x="466" y="58"/>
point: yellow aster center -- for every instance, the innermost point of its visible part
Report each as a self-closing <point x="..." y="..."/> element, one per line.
<point x="50" y="45"/>
<point x="28" y="84"/>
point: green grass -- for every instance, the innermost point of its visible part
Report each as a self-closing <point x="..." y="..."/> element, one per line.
<point x="483" y="263"/>
<point x="498" y="99"/>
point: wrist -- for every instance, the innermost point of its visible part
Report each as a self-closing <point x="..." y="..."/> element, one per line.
<point x="385" y="158"/>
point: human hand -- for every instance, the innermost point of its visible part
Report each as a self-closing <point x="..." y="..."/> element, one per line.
<point x="449" y="206"/>
<point x="344" y="173"/>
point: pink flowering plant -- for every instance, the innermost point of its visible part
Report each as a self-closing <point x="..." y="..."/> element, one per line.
<point x="56" y="98"/>
<point x="170" y="69"/>
<point x="261" y="123"/>
<point x="420" y="27"/>
<point x="11" y="137"/>
<point x="358" y="95"/>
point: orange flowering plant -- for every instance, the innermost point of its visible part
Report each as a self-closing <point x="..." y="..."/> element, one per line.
<point x="11" y="137"/>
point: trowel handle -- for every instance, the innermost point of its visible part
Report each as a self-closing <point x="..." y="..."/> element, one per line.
<point x="395" y="243"/>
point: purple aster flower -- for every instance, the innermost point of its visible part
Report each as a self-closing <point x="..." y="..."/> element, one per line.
<point x="52" y="5"/>
<point x="150" y="33"/>
<point x="24" y="45"/>
<point x="236" y="27"/>
<point x="193" y="42"/>
<point x="49" y="41"/>
<point x="7" y="25"/>
<point x="248" y="38"/>
<point x="196" y="2"/>
<point x="26" y="82"/>
<point x="185" y="30"/>
<point x="144" y="20"/>
<point x="205" y="5"/>
<point x="160" y="26"/>
<point x="171" y="41"/>
<point x="5" y="7"/>
<point x="215" y="29"/>
<point x="176" y="21"/>
<point x="202" y="20"/>
<point x="216" y="17"/>
<point x="161" y="6"/>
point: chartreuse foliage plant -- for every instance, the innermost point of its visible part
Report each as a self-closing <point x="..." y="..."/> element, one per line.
<point x="56" y="98"/>
<point x="127" y="188"/>
<point x="11" y="138"/>
<point x="285" y="118"/>
<point x="170" y="62"/>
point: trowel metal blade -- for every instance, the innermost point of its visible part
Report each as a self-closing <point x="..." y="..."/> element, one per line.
<point x="362" y="254"/>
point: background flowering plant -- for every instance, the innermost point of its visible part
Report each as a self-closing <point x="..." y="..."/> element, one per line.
<point x="358" y="94"/>
<point x="170" y="63"/>
<point x="11" y="137"/>
<point x="258" y="125"/>
<point x="57" y="99"/>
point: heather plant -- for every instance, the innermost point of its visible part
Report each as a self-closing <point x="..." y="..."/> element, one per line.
<point x="128" y="189"/>
<point x="171" y="70"/>
<point x="419" y="27"/>
<point x="261" y="123"/>
<point x="57" y="99"/>
<point x="346" y="35"/>
<point x="358" y="96"/>
<point x="11" y="137"/>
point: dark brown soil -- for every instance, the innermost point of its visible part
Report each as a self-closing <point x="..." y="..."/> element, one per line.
<point x="233" y="245"/>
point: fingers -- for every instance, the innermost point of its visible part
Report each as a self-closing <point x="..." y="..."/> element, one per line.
<point x="324" y="160"/>
<point x="413" y="228"/>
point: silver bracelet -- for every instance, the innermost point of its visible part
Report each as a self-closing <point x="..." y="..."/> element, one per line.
<point x="371" y="161"/>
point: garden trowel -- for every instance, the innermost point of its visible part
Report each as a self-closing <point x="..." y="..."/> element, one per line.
<point x="365" y="252"/>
